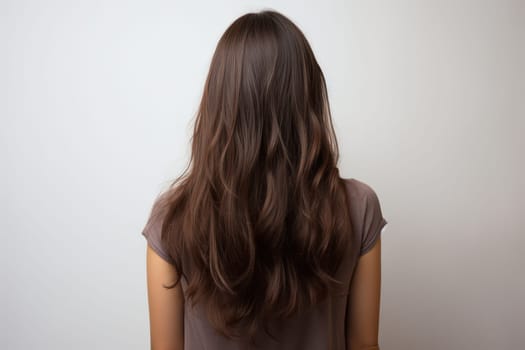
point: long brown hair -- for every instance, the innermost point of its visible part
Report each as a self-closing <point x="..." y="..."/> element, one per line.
<point x="258" y="222"/>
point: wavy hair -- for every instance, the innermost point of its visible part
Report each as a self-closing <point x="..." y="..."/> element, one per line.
<point x="258" y="223"/>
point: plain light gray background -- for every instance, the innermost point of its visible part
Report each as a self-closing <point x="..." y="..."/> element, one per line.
<point x="97" y="99"/>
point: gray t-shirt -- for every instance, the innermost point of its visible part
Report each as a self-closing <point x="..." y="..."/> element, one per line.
<point x="322" y="327"/>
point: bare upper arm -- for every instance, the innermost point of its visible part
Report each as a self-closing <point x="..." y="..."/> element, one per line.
<point x="166" y="306"/>
<point x="364" y="301"/>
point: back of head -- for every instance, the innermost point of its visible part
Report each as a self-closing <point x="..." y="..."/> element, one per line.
<point x="260" y="216"/>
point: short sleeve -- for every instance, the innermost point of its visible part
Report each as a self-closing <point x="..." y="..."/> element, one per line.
<point x="374" y="222"/>
<point x="152" y="231"/>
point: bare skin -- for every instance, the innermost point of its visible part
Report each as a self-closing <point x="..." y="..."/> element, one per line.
<point x="364" y="302"/>
<point x="166" y="306"/>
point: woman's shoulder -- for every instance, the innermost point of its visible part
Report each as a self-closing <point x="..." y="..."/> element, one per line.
<point x="366" y="212"/>
<point x="359" y="189"/>
<point x="365" y="204"/>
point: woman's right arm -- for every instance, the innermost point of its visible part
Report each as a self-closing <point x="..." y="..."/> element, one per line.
<point x="364" y="301"/>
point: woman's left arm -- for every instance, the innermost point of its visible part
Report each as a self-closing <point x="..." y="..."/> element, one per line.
<point x="166" y="306"/>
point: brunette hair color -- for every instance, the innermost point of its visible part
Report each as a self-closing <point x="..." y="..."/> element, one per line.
<point x="259" y="217"/>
